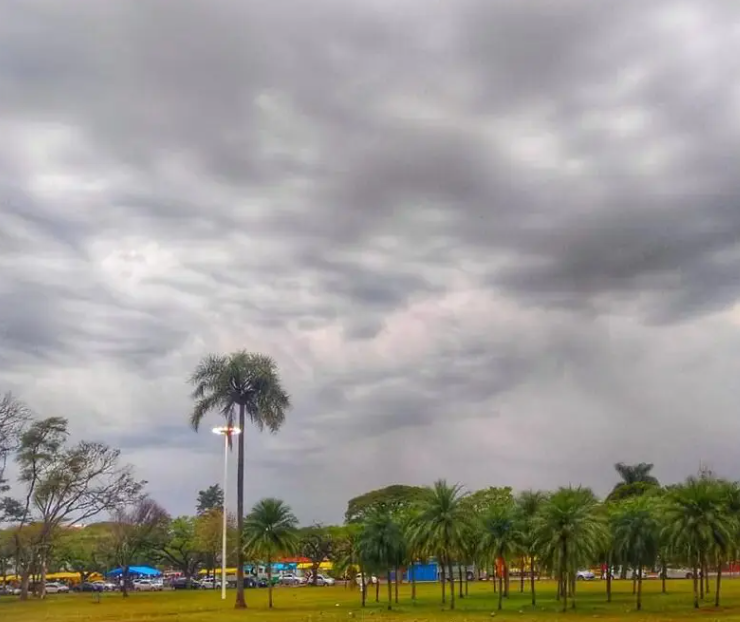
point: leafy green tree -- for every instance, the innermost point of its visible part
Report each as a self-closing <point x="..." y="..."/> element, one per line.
<point x="270" y="531"/>
<point x="569" y="529"/>
<point x="501" y="537"/>
<point x="83" y="550"/>
<point x="637" y="479"/>
<point x="442" y="524"/>
<point x="381" y="544"/>
<point x="14" y="415"/>
<point x="238" y="385"/>
<point x="179" y="548"/>
<point x="392" y="498"/>
<point x="345" y="555"/>
<point x="212" y="498"/>
<point x="637" y="529"/>
<point x="316" y="543"/>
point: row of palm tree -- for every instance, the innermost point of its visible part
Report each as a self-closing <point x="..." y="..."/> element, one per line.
<point x="640" y="525"/>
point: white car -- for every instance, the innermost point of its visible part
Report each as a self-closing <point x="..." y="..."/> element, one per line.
<point x="210" y="583"/>
<point x="679" y="573"/>
<point x="147" y="585"/>
<point x="324" y="580"/>
<point x="585" y="575"/>
<point x="56" y="588"/>
<point x="368" y="579"/>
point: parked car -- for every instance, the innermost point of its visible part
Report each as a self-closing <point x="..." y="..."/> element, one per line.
<point x="186" y="584"/>
<point x="585" y="575"/>
<point x="147" y="585"/>
<point x="368" y="579"/>
<point x="324" y="580"/>
<point x="54" y="587"/>
<point x="291" y="579"/>
<point x="680" y="573"/>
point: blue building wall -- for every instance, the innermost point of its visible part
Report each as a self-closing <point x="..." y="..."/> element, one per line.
<point x="422" y="572"/>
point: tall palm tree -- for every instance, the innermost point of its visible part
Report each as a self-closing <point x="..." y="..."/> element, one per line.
<point x="239" y="384"/>
<point x="501" y="538"/>
<point x="442" y="523"/>
<point x="381" y="545"/>
<point x="270" y="531"/>
<point x="529" y="504"/>
<point x="698" y="524"/>
<point x="637" y="529"/>
<point x="569" y="529"/>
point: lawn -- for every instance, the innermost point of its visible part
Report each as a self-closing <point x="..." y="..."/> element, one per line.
<point x="338" y="603"/>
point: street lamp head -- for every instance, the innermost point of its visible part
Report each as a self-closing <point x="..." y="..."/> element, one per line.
<point x="227" y="430"/>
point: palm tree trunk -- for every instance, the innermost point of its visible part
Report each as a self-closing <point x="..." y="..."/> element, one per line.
<point x="396" y="585"/>
<point x="609" y="578"/>
<point x="467" y="582"/>
<point x="390" y="589"/>
<point x="494" y="575"/>
<point x="269" y="582"/>
<point x="719" y="580"/>
<point x="696" y="586"/>
<point x="522" y="578"/>
<point x="452" y="584"/>
<point x="500" y="590"/>
<point x="639" y="588"/>
<point x="241" y="603"/>
<point x="531" y="580"/>
<point x="444" y="582"/>
<point x="460" y="577"/>
<point x="701" y="580"/>
<point x="563" y="574"/>
<point x="705" y="575"/>
<point x="664" y="572"/>
<point x="412" y="572"/>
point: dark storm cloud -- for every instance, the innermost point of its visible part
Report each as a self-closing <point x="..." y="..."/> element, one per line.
<point x="453" y="225"/>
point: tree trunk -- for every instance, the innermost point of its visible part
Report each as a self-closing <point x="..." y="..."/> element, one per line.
<point x="377" y="591"/>
<point x="494" y="576"/>
<point x="531" y="580"/>
<point x="444" y="582"/>
<point x="25" y="581"/>
<point x="695" y="575"/>
<point x="363" y="585"/>
<point x="701" y="580"/>
<point x="664" y="572"/>
<point x="240" y="603"/>
<point x="563" y="574"/>
<point x="573" y="581"/>
<point x="396" y="595"/>
<point x="412" y="572"/>
<point x="269" y="582"/>
<point x="452" y="584"/>
<point x="42" y="581"/>
<point x="639" y="588"/>
<point x="719" y="580"/>
<point x="608" y="579"/>
<point x="522" y="578"/>
<point x="634" y="584"/>
<point x="460" y="578"/>
<point x="124" y="581"/>
<point x="500" y="590"/>
<point x="507" y="580"/>
<point x="467" y="582"/>
<point x="390" y="589"/>
<point x="705" y="575"/>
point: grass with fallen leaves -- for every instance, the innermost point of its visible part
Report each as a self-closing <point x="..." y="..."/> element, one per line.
<point x="330" y="604"/>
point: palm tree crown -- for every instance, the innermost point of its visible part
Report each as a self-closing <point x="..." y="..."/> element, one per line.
<point x="246" y="379"/>
<point x="270" y="529"/>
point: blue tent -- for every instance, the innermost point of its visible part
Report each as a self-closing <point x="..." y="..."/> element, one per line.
<point x="134" y="570"/>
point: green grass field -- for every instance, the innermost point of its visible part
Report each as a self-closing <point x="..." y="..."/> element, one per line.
<point x="337" y="603"/>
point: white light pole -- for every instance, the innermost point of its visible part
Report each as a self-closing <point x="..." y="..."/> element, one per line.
<point x="226" y="432"/>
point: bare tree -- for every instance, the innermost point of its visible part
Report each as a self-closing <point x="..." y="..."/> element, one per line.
<point x="65" y="484"/>
<point x="14" y="415"/>
<point x="137" y="529"/>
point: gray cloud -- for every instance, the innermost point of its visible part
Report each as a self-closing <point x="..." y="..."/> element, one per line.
<point x="494" y="242"/>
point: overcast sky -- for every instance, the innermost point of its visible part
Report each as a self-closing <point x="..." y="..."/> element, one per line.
<point x="491" y="241"/>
